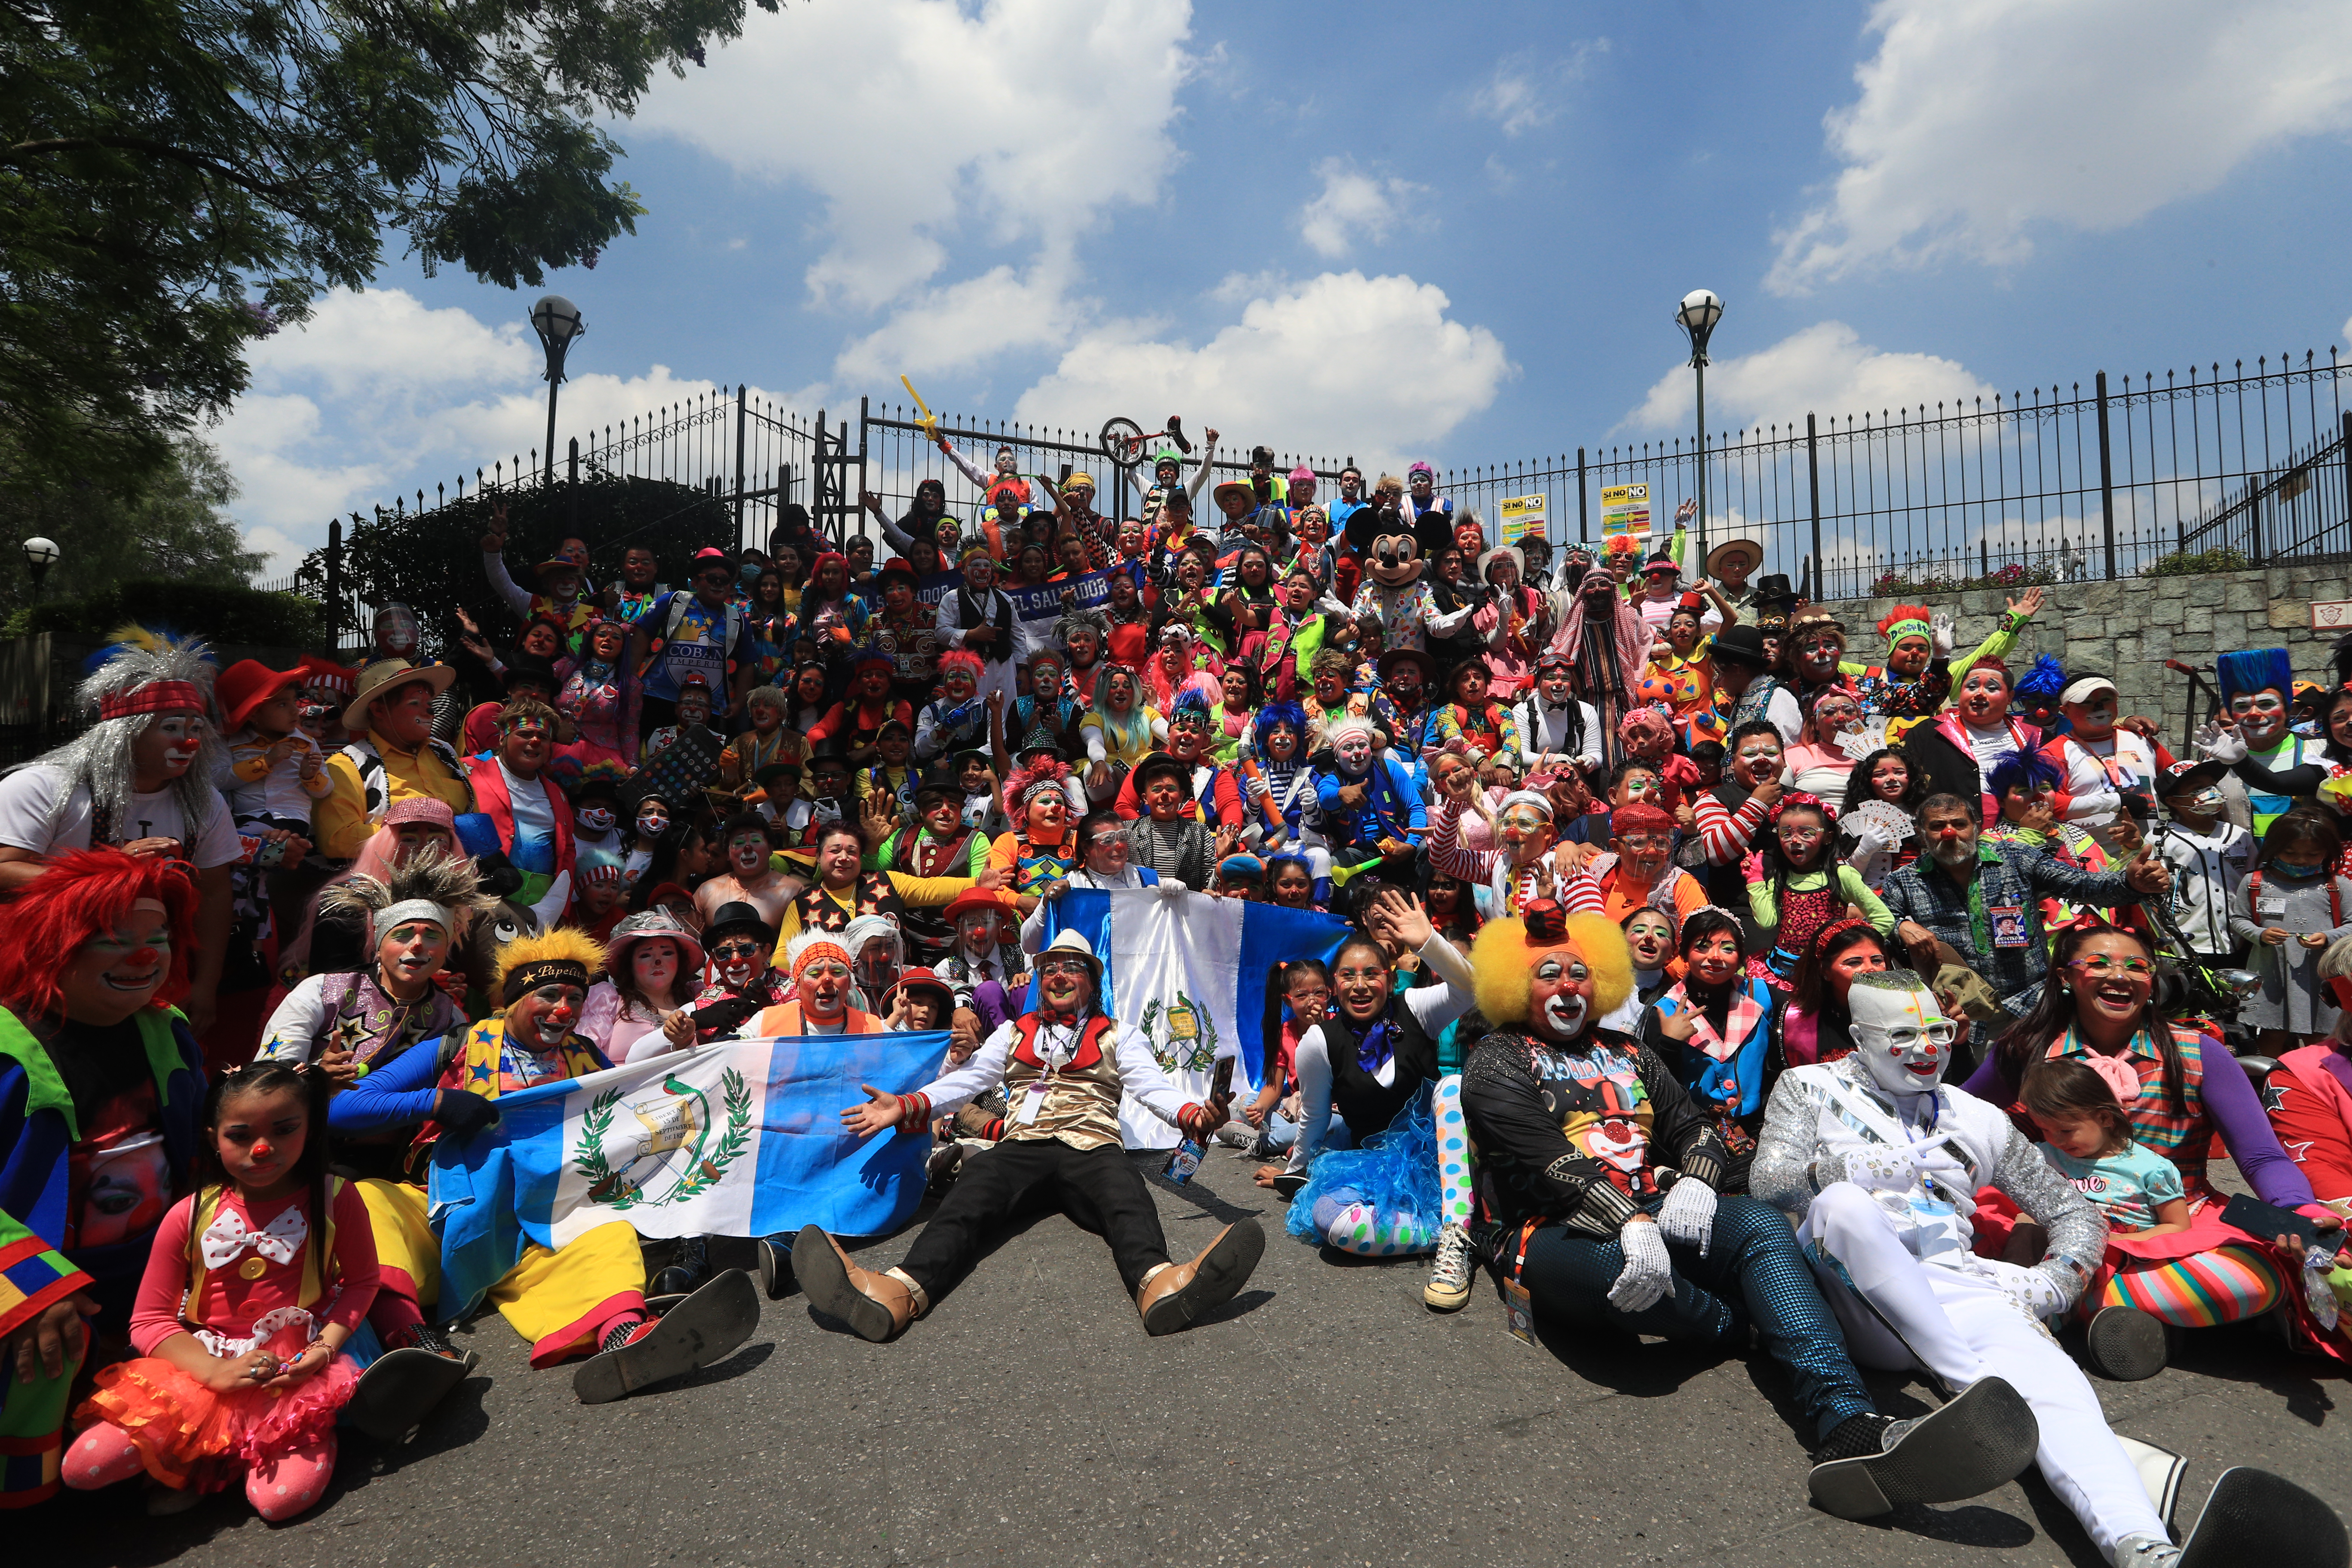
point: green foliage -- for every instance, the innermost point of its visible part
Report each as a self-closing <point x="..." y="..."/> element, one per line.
<point x="166" y="523"/>
<point x="220" y="613"/>
<point x="180" y="177"/>
<point x="431" y="561"/>
<point x="2194" y="564"/>
<point x="2009" y="580"/>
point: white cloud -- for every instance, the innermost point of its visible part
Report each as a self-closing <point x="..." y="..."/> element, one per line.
<point x="916" y="121"/>
<point x="1338" y="364"/>
<point x="1352" y="202"/>
<point x="1526" y="93"/>
<point x="968" y="323"/>
<point x="1980" y="119"/>
<point x="378" y="394"/>
<point x="1825" y="369"/>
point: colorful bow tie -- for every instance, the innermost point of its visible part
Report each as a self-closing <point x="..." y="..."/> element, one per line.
<point x="227" y="1236"/>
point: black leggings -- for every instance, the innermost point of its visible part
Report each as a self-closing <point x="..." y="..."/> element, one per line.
<point x="1097" y="1188"/>
<point x="1753" y="1273"/>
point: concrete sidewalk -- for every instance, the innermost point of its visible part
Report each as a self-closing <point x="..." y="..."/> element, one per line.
<point x="1325" y="1416"/>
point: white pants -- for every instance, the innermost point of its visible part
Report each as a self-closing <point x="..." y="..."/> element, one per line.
<point x="1963" y="1327"/>
<point x="996" y="677"/>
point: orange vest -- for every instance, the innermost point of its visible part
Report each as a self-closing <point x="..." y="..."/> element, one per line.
<point x="783" y="1020"/>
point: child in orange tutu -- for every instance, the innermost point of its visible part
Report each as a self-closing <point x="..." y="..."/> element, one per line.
<point x="243" y="1313"/>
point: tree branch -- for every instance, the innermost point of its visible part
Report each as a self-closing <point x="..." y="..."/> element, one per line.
<point x="27" y="152"/>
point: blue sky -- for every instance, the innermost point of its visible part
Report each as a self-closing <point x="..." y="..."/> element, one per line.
<point x="1396" y="231"/>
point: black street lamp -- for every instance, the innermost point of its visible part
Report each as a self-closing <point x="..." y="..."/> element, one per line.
<point x="40" y="554"/>
<point x="557" y="322"/>
<point x="1698" y="315"/>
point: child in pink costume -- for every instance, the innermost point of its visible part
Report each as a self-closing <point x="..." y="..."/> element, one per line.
<point x="243" y="1313"/>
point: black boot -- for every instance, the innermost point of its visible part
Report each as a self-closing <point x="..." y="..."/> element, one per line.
<point x="688" y="1270"/>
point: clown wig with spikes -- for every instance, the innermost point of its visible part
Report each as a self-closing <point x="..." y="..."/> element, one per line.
<point x="135" y="682"/>
<point x="1503" y="959"/>
<point x="82" y="896"/>
<point x="965" y="660"/>
<point x="562" y="956"/>
<point x="1023" y="784"/>
<point x="431" y="876"/>
<point x="1273" y="713"/>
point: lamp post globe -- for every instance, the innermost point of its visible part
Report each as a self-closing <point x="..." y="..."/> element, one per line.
<point x="40" y="554"/>
<point x="1701" y="309"/>
<point x="557" y="322"/>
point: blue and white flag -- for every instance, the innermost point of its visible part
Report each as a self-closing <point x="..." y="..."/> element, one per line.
<point x="1189" y="971"/>
<point x="738" y="1138"/>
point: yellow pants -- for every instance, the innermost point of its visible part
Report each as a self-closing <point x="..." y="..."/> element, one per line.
<point x="560" y="1301"/>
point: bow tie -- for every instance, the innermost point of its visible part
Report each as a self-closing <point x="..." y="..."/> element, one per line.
<point x="228" y="1236"/>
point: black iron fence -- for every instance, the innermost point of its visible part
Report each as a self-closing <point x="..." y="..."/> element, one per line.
<point x="2051" y="484"/>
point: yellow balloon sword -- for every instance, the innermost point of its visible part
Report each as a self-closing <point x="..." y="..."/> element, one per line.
<point x="929" y="421"/>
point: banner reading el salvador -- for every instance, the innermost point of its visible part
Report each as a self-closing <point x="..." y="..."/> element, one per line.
<point x="1189" y="970"/>
<point x="738" y="1138"/>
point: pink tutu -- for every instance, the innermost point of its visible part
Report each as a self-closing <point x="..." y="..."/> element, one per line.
<point x="195" y="1439"/>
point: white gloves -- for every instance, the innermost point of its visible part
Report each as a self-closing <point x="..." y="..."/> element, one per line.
<point x="2221" y="745"/>
<point x="1688" y="1214"/>
<point x="1877" y="1167"/>
<point x="2031" y="1288"/>
<point x="1170" y="889"/>
<point x="1939" y="628"/>
<point x="1648" y="1274"/>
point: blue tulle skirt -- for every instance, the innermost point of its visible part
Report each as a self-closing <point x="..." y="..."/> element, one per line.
<point x="1387" y="1190"/>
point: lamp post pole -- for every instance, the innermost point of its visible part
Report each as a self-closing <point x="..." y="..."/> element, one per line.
<point x="557" y="322"/>
<point x="40" y="554"/>
<point x="1698" y="315"/>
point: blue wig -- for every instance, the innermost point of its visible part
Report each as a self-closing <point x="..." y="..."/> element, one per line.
<point x="2251" y="669"/>
<point x="2046" y="678"/>
<point x="2022" y="770"/>
<point x="1273" y="713"/>
<point x="1191" y="699"/>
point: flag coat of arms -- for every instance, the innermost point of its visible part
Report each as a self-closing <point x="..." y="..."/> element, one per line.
<point x="1189" y="971"/>
<point x="737" y="1138"/>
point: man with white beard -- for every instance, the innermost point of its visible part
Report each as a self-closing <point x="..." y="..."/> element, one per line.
<point x="1877" y="1160"/>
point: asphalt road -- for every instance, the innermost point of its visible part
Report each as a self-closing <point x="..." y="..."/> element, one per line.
<point x="1324" y="1416"/>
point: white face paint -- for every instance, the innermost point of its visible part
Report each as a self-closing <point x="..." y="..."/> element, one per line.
<point x="1902" y="1035"/>
<point x="1354" y="751"/>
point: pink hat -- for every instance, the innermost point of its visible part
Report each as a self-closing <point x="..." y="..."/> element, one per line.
<point x="421" y="808"/>
<point x="1302" y="475"/>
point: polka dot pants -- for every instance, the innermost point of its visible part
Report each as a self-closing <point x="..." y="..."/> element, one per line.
<point x="1359" y="1229"/>
<point x="278" y="1489"/>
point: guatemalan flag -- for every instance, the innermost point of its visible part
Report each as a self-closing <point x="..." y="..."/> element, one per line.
<point x="1189" y="970"/>
<point x="738" y="1138"/>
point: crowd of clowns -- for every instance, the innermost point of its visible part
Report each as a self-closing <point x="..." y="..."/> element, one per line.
<point x="1710" y="976"/>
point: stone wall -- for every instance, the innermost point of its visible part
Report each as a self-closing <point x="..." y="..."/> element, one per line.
<point x="2127" y="629"/>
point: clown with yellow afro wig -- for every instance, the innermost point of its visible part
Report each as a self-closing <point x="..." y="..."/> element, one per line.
<point x="1507" y="955"/>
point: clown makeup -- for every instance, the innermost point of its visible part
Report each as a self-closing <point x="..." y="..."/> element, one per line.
<point x="1643" y="856"/>
<point x="1123" y="592"/>
<point x="959" y="685"/>
<point x="747" y="852"/>
<point x="1354" y="751"/>
<point x="1758" y="760"/>
<point x="1085" y="647"/>
<point x="637" y="567"/>
<point x="1834" y="713"/>
<point x="1949" y="834"/>
<point x="651" y="821"/>
<point x="1331" y="687"/>
<point x="693" y="708"/>
<point x="1163" y="796"/>
<point x="1470" y="683"/>
<point x="1682" y="631"/>
<point x="1803" y="834"/>
<point x="1107" y="850"/>
<point x="1889" y="777"/>
<point x="823" y="987"/>
<point x="739" y="960"/>
<point x="2110" y="976"/>
<point x="1118" y="691"/>
<point x="1651" y="937"/>
<point x="1817" y="654"/>
<point x="1281" y="741"/>
<point x="1048" y="813"/>
<point x="1714" y="959"/>
<point x="1639" y="785"/>
<point x="1558" y="684"/>
<point x="874" y="680"/>
<point x="523" y="746"/>
<point x="1902" y="1036"/>
<point x="1984" y="697"/>
<point x="2261" y="716"/>
<point x="808" y="685"/>
<point x="259" y="1136"/>
<point x="2094" y="720"/>
<point x="539" y="639"/>
<point x="1559" y="996"/>
<point x="114" y="973"/>
<point x="408" y="956"/>
<point x="1908" y="657"/>
<point x="395" y="631"/>
<point x="167" y="746"/>
<point x="544" y="1017"/>
<point x="1065" y="983"/>
<point x="1236" y="684"/>
<point x="1525" y="832"/>
<point x="607" y="640"/>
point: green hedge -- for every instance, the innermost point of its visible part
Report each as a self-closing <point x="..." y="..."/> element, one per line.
<point x="2186" y="564"/>
<point x="219" y="613"/>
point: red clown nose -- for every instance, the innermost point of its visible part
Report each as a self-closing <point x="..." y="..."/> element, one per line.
<point x="261" y="1149"/>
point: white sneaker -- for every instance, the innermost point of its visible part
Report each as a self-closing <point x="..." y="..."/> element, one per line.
<point x="1236" y="1135"/>
<point x="2145" y="1552"/>
<point x="1448" y="1289"/>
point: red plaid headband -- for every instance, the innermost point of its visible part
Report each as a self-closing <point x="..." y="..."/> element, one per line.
<point x="156" y="697"/>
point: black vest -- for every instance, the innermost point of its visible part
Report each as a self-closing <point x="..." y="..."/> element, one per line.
<point x="1363" y="1102"/>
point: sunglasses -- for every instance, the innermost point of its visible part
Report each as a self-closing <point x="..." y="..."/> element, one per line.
<point x="726" y="950"/>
